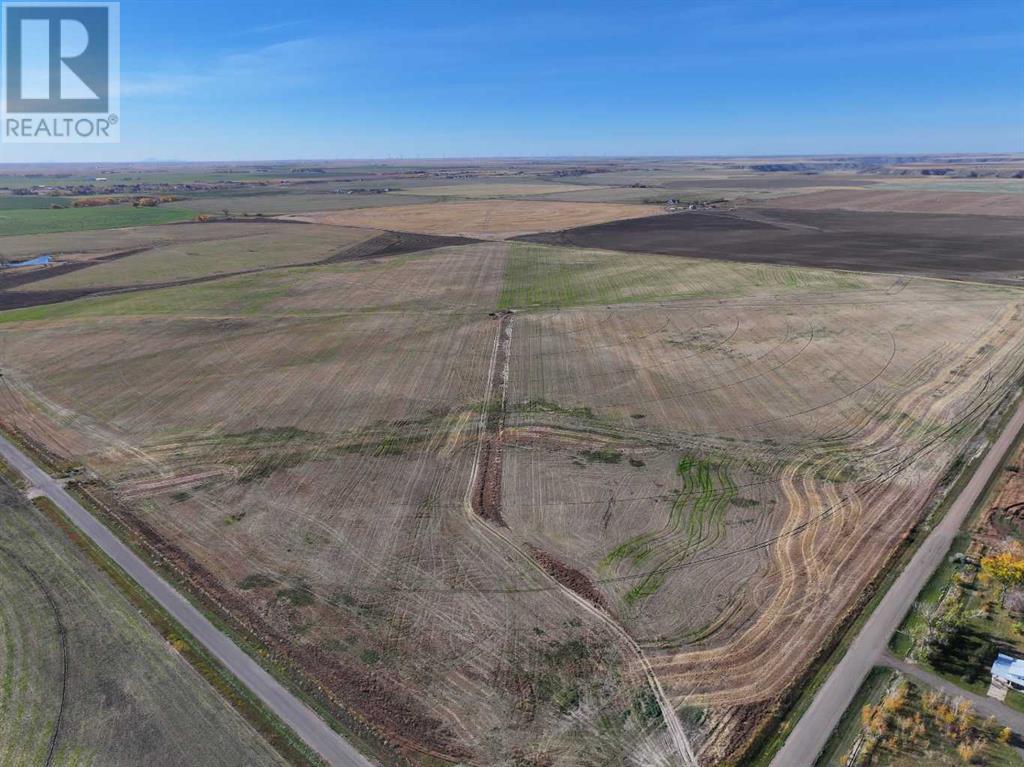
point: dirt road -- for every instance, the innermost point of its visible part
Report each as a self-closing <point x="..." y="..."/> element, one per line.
<point x="808" y="738"/>
<point x="335" y="750"/>
<point x="982" y="703"/>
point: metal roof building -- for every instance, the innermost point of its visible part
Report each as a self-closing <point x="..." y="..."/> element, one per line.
<point x="1009" y="670"/>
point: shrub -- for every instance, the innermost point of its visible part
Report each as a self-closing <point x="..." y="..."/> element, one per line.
<point x="1006" y="567"/>
<point x="256" y="581"/>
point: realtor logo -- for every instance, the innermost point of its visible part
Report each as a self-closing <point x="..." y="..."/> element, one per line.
<point x="61" y="76"/>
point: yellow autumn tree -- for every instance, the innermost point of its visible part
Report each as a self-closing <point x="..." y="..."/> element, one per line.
<point x="1006" y="567"/>
<point x="967" y="752"/>
<point x="965" y="718"/>
<point x="895" y="699"/>
<point x="867" y="713"/>
<point x="1004" y="735"/>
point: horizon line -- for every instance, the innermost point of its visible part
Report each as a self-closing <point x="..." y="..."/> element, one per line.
<point x="519" y="157"/>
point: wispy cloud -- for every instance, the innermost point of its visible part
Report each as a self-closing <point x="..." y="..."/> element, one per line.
<point x="263" y="29"/>
<point x="289" y="62"/>
<point x="162" y="84"/>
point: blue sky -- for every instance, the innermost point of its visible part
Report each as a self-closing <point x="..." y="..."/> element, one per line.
<point x="216" y="79"/>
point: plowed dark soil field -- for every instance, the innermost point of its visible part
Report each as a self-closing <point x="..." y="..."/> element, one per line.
<point x="980" y="248"/>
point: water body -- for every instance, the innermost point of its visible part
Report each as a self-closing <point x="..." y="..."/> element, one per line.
<point x="37" y="261"/>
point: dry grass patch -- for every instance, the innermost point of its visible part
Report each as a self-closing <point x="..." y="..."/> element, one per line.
<point x="733" y="473"/>
<point x="105" y="241"/>
<point x="909" y="201"/>
<point x="491" y="190"/>
<point x="489" y="220"/>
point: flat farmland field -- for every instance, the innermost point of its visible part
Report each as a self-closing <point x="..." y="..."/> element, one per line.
<point x="605" y="194"/>
<point x="358" y="285"/>
<point x="982" y="248"/>
<point x="546" y="276"/>
<point x="41" y="221"/>
<point x="489" y="220"/>
<point x="502" y="501"/>
<point x="492" y="190"/>
<point x="297" y="201"/>
<point x="31" y="202"/>
<point x="101" y="242"/>
<point x="989" y="186"/>
<point x="911" y="198"/>
<point x="85" y="680"/>
<point x="223" y="249"/>
<point x="731" y="473"/>
<point x="194" y="254"/>
<point x="651" y="195"/>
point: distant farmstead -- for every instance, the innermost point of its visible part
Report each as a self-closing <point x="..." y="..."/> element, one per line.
<point x="1009" y="671"/>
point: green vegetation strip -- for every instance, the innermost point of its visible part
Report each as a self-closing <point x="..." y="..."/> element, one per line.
<point x="11" y="475"/>
<point x="901" y="642"/>
<point x="36" y="221"/>
<point x="32" y="202"/>
<point x="242" y="294"/>
<point x="695" y="521"/>
<point x="258" y="716"/>
<point x="545" y="276"/>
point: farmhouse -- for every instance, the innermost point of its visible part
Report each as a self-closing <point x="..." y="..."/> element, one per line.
<point x="1009" y="671"/>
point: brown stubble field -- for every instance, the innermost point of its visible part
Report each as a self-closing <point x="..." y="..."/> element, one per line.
<point x="307" y="466"/>
<point x="660" y="449"/>
<point x="909" y="201"/>
<point x="694" y="468"/>
<point x="278" y="392"/>
<point x="484" y="219"/>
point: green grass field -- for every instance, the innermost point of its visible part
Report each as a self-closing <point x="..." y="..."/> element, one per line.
<point x="35" y="221"/>
<point x="230" y="295"/>
<point x="269" y="245"/>
<point x="240" y="295"/>
<point x="140" y="176"/>
<point x="120" y="694"/>
<point x="543" y="276"/>
<point x="32" y="202"/>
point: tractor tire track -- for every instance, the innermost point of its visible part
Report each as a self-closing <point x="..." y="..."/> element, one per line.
<point x="501" y="540"/>
<point x="62" y="637"/>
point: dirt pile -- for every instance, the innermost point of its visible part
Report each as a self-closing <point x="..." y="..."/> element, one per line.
<point x="487" y="494"/>
<point x="569" y="577"/>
